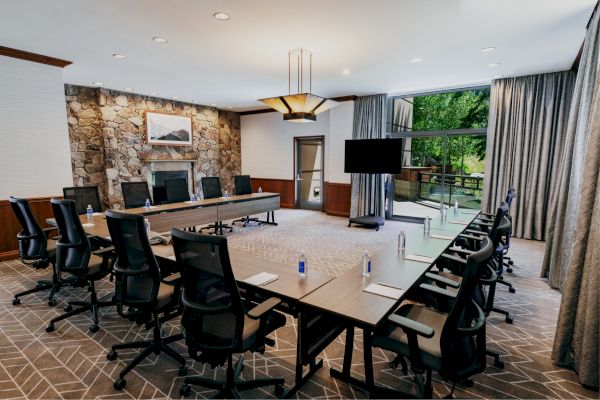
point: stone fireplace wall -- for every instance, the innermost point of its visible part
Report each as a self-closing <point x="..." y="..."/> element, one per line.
<point x="108" y="139"/>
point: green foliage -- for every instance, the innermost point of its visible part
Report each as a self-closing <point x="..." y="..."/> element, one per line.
<point x="448" y="111"/>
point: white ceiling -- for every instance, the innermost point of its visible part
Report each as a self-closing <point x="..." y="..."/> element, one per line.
<point x="234" y="63"/>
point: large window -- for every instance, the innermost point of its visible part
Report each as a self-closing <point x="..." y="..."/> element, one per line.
<point x="444" y="149"/>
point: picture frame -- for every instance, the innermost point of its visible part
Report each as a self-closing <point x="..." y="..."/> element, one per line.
<point x="168" y="129"/>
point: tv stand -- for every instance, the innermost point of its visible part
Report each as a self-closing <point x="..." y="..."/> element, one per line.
<point x="369" y="221"/>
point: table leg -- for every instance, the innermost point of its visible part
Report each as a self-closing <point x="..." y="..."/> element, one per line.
<point x="270" y="218"/>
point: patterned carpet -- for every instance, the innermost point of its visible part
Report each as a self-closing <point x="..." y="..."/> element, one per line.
<point x="71" y="362"/>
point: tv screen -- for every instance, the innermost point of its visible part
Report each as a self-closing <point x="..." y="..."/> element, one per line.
<point x="373" y="156"/>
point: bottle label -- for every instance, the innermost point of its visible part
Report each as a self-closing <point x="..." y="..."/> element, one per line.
<point x="301" y="267"/>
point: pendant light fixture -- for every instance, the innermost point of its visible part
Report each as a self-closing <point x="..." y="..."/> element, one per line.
<point x="301" y="106"/>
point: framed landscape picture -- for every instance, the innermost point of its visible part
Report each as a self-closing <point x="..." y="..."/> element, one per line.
<point x="168" y="129"/>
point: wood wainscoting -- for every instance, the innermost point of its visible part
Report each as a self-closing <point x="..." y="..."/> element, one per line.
<point x="285" y="188"/>
<point x="337" y="199"/>
<point x="41" y="208"/>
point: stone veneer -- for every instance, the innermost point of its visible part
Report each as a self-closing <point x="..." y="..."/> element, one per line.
<point x="107" y="132"/>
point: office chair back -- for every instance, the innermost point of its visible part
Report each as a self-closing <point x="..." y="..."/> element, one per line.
<point x="32" y="239"/>
<point x="243" y="184"/>
<point x="211" y="187"/>
<point x="462" y="340"/>
<point x="73" y="249"/>
<point x="177" y="190"/>
<point x="137" y="274"/>
<point x="84" y="196"/>
<point x="213" y="316"/>
<point x="135" y="194"/>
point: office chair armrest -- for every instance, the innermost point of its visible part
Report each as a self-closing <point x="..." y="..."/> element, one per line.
<point x="437" y="290"/>
<point x="203" y="309"/>
<point x="493" y="278"/>
<point x="21" y="236"/>
<point x="472" y="237"/>
<point x="410" y="325"/>
<point x="50" y="229"/>
<point x="481" y="223"/>
<point x="127" y="272"/>
<point x="484" y="218"/>
<point x="479" y="324"/>
<point x="263" y="308"/>
<point x="475" y="232"/>
<point x="454" y="258"/>
<point x="489" y="215"/>
<point x="441" y="279"/>
<point x="461" y="250"/>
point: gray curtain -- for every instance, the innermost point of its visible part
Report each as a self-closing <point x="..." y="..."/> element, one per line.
<point x="572" y="259"/>
<point x="368" y="194"/>
<point x="526" y="136"/>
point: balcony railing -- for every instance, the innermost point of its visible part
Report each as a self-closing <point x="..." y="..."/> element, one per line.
<point x="464" y="188"/>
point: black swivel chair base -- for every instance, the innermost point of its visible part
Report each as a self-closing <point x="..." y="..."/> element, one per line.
<point x="232" y="385"/>
<point x="93" y="305"/>
<point x="245" y="221"/>
<point x="218" y="228"/>
<point x="157" y="345"/>
<point x="53" y="286"/>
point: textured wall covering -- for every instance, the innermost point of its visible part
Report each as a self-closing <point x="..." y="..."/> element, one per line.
<point x="107" y="132"/>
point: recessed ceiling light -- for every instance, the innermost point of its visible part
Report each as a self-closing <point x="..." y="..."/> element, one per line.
<point x="175" y="98"/>
<point x="345" y="71"/>
<point x="487" y="49"/>
<point x="221" y="16"/>
<point x="213" y="104"/>
<point x="158" y="39"/>
<point x="119" y="56"/>
<point x="494" y="64"/>
<point x="153" y="93"/>
<point x="128" y="89"/>
<point x="195" y="101"/>
<point x="96" y="83"/>
<point x="416" y="60"/>
<point x="499" y="76"/>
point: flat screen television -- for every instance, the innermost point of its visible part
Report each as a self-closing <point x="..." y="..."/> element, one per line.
<point x="373" y="156"/>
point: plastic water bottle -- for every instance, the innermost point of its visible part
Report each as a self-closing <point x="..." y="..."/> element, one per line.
<point x="366" y="264"/>
<point x="147" y="225"/>
<point x="226" y="194"/>
<point x="192" y="197"/>
<point x="455" y="206"/>
<point x="302" y="265"/>
<point x="444" y="211"/>
<point x="147" y="205"/>
<point x="427" y="226"/>
<point x="89" y="213"/>
<point x="260" y="189"/>
<point x="402" y="242"/>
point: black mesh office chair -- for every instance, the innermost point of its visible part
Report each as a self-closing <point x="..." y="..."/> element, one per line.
<point x="243" y="185"/>
<point x="211" y="189"/>
<point x="177" y="190"/>
<point x="452" y="343"/>
<point x="74" y="256"/>
<point x="214" y="322"/>
<point x="84" y="196"/>
<point x="135" y="194"/>
<point x="140" y="289"/>
<point x="35" y="249"/>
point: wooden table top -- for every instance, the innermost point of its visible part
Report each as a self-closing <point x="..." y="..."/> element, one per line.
<point x="200" y="203"/>
<point x="345" y="297"/>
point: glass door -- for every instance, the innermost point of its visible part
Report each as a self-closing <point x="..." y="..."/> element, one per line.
<point x="309" y="173"/>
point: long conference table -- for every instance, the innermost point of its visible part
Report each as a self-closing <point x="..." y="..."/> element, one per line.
<point x="324" y="305"/>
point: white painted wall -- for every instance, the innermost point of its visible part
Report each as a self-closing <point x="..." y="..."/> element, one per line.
<point x="35" y="158"/>
<point x="268" y="143"/>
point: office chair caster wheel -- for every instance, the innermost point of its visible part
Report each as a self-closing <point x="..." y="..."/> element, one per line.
<point x="499" y="364"/>
<point x="51" y="303"/>
<point x="182" y="371"/>
<point x="16" y="301"/>
<point x="120" y="384"/>
<point x="508" y="320"/>
<point x="94" y="328"/>
<point x="112" y="355"/>
<point x="185" y="390"/>
<point x="512" y="289"/>
<point x="509" y="270"/>
<point x="511" y="262"/>
<point x="68" y="308"/>
<point x="279" y="389"/>
<point x="50" y="328"/>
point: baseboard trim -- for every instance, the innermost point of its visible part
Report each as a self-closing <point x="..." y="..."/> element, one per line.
<point x="9" y="255"/>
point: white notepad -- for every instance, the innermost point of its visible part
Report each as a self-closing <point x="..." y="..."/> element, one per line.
<point x="459" y="222"/>
<point x="87" y="224"/>
<point x="443" y="237"/>
<point x="384" y="291"/>
<point x="191" y="202"/>
<point x="423" y="259"/>
<point x="261" y="279"/>
<point x="470" y="211"/>
<point x="172" y="258"/>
